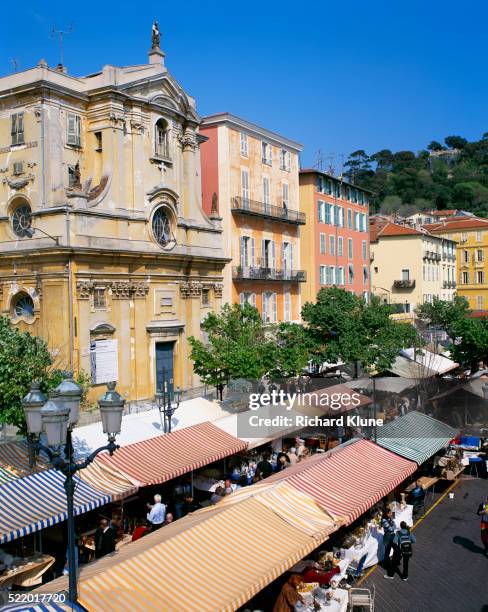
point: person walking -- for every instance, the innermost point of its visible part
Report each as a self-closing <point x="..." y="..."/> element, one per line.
<point x="483" y="512"/>
<point x="404" y="540"/>
<point x="389" y="527"/>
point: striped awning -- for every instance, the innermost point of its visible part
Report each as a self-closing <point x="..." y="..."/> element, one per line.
<point x="14" y="457"/>
<point x="38" y="501"/>
<point x="350" y="480"/>
<point x="160" y="459"/>
<point x="415" y="436"/>
<point x="217" y="563"/>
<point x="108" y="479"/>
<point x="48" y="606"/>
<point x="6" y="475"/>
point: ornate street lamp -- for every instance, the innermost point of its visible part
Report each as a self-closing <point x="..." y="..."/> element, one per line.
<point x="56" y="417"/>
<point x="167" y="402"/>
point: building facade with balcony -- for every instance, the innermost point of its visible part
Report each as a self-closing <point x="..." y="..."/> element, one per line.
<point x="335" y="241"/>
<point x="250" y="181"/>
<point x="471" y="236"/>
<point x="410" y="266"/>
<point x="105" y="250"/>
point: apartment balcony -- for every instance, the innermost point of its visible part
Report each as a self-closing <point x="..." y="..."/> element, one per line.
<point x="263" y="273"/>
<point x="449" y="284"/>
<point x="404" y="284"/>
<point x="432" y="255"/>
<point x="267" y="211"/>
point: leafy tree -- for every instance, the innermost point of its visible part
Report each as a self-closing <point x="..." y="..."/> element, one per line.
<point x="435" y="146"/>
<point x="294" y="349"/>
<point x="349" y="329"/>
<point x="23" y="358"/>
<point x="444" y="313"/>
<point x="471" y="342"/>
<point x="238" y="346"/>
<point x="390" y="204"/>
<point x="455" y="142"/>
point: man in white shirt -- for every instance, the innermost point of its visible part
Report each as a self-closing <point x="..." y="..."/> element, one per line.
<point x="157" y="513"/>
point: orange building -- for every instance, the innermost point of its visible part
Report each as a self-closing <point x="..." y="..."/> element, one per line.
<point x="250" y="180"/>
<point x="335" y="241"/>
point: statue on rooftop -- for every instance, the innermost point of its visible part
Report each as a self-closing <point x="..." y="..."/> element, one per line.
<point x="155" y="36"/>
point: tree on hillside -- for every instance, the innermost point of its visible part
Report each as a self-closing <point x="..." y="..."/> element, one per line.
<point x="455" y="142"/>
<point x="348" y="329"/>
<point x="434" y="145"/>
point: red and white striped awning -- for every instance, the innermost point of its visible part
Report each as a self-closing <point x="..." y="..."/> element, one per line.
<point x="350" y="480"/>
<point x="165" y="457"/>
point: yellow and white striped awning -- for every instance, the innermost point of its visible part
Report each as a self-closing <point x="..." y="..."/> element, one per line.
<point x="217" y="564"/>
<point x="108" y="479"/>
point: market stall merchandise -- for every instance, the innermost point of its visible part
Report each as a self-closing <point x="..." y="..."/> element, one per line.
<point x="163" y="458"/>
<point x="26" y="572"/>
<point x="38" y="501"/>
<point x="326" y="600"/>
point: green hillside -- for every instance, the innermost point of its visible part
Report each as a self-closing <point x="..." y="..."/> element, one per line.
<point x="449" y="175"/>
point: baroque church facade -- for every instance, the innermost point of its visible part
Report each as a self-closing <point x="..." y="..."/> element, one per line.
<point x="105" y="249"/>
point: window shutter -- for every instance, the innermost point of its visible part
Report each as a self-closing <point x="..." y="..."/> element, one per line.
<point x="241" y="299"/>
<point x="71" y="129"/>
<point x="242" y="252"/>
<point x="273" y="254"/>
<point x="264" y="259"/>
<point x="252" y="253"/>
<point x="275" y="308"/>
<point x="20" y="127"/>
<point x="253" y="299"/>
<point x="291" y="256"/>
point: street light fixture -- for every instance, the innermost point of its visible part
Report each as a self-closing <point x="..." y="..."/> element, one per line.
<point x="164" y="401"/>
<point x="56" y="417"/>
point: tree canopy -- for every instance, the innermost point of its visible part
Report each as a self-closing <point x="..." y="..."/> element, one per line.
<point x="449" y="175"/>
<point x="344" y="327"/>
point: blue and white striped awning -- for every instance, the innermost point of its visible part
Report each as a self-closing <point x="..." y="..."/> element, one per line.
<point x="39" y="500"/>
<point x="49" y="606"/>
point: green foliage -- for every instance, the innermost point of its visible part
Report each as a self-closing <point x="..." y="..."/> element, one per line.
<point x="24" y="358"/>
<point x="238" y="346"/>
<point x="469" y="335"/>
<point x="346" y="328"/>
<point x="444" y="313"/>
<point x="294" y="347"/>
<point x="472" y="345"/>
<point x="406" y="181"/>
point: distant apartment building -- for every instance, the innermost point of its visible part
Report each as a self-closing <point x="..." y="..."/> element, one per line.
<point x="471" y="235"/>
<point x="335" y="240"/>
<point x="410" y="266"/>
<point x="250" y="180"/>
<point x="435" y="216"/>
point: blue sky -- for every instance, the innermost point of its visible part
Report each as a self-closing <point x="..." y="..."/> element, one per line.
<point x="335" y="76"/>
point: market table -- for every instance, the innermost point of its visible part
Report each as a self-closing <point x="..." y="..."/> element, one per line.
<point x="342" y="595"/>
<point x="424" y="481"/>
<point x="28" y="573"/>
<point x="403" y="515"/>
<point x="372" y="547"/>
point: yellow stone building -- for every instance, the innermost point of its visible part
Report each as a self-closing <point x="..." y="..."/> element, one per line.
<point x="410" y="266"/>
<point x="105" y="249"/>
<point x="471" y="235"/>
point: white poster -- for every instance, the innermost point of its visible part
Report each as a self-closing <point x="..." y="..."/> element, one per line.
<point x="104" y="361"/>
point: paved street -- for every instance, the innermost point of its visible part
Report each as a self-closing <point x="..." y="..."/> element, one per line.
<point x="448" y="571"/>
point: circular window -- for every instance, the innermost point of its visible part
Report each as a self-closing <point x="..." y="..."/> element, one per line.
<point x="23" y="306"/>
<point x="161" y="227"/>
<point x="22" y="220"/>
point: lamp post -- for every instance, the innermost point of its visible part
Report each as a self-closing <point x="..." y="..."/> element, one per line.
<point x="56" y="417"/>
<point x="484" y="388"/>
<point x="164" y="401"/>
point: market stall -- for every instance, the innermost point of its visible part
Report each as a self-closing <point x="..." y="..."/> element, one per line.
<point x="25" y="572"/>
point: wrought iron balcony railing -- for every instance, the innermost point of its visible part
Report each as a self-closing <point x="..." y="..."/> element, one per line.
<point x="261" y="209"/>
<point x="264" y="273"/>
<point x="449" y="284"/>
<point x="404" y="284"/>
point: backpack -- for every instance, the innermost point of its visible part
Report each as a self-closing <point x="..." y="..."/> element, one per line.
<point x="405" y="544"/>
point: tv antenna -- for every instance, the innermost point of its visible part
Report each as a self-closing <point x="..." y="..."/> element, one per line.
<point x="61" y="34"/>
<point x="15" y="63"/>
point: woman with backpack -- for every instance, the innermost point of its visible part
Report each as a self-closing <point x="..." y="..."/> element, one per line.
<point x="404" y="541"/>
